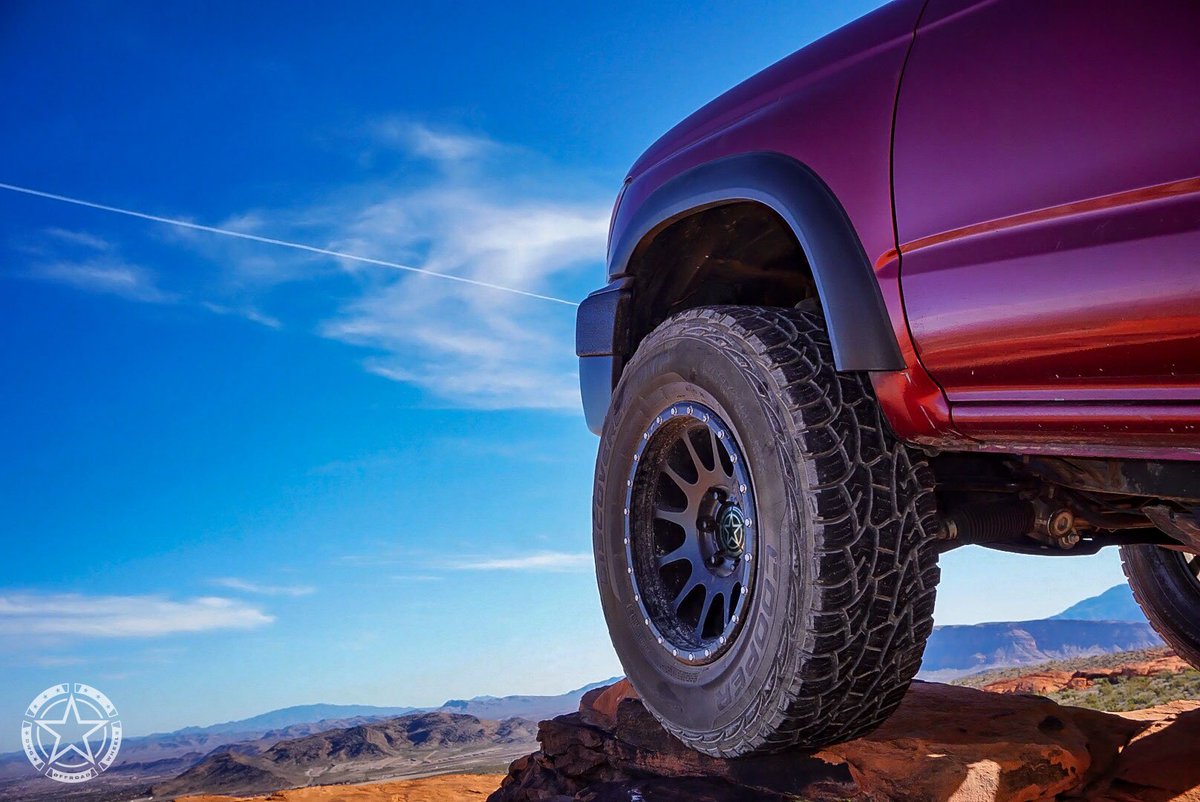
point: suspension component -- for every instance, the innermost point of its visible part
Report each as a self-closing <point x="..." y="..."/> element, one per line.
<point x="1054" y="524"/>
<point x="988" y="522"/>
<point x="1012" y="520"/>
<point x="1183" y="526"/>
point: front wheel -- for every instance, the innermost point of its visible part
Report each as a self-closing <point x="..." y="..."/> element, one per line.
<point x="764" y="545"/>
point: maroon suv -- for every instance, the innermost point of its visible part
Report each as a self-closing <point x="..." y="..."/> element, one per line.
<point x="933" y="280"/>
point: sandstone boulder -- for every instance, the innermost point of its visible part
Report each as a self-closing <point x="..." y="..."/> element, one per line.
<point x="945" y="743"/>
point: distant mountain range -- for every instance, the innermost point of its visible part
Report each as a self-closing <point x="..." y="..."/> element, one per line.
<point x="531" y="707"/>
<point x="419" y="743"/>
<point x="232" y="749"/>
<point x="1103" y="624"/>
<point x="1115" y="604"/>
<point x="956" y="651"/>
<point x="287" y="719"/>
<point x="298" y="714"/>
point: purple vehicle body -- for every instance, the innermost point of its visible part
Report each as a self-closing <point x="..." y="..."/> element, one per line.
<point x="1038" y="262"/>
<point x="992" y="208"/>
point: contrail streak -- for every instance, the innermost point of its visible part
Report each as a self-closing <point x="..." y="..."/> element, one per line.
<point x="298" y="246"/>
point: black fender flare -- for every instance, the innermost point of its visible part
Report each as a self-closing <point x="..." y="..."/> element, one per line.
<point x="860" y="330"/>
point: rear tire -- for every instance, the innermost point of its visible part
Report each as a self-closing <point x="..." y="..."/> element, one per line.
<point x="837" y="608"/>
<point x="1165" y="585"/>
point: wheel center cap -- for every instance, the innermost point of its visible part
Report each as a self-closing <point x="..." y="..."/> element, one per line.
<point x="731" y="529"/>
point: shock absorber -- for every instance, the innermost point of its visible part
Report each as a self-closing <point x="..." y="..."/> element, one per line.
<point x="980" y="523"/>
<point x="988" y="522"/>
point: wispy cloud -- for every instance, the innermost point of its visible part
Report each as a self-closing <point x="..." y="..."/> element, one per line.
<point x="437" y="144"/>
<point x="83" y="238"/>
<point x="246" y="586"/>
<point x="487" y="213"/>
<point x="89" y="263"/>
<point x="246" y="312"/>
<point x="147" y="655"/>
<point x="470" y="347"/>
<point x="28" y="614"/>
<point x="57" y="661"/>
<point x="107" y="275"/>
<point x="557" y="561"/>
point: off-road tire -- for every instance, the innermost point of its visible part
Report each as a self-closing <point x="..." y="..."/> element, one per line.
<point x="843" y="599"/>
<point x="1169" y="595"/>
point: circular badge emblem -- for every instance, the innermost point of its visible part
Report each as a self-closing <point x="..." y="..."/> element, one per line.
<point x="731" y="528"/>
<point x="71" y="733"/>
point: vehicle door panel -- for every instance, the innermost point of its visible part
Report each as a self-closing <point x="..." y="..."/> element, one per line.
<point x="1047" y="187"/>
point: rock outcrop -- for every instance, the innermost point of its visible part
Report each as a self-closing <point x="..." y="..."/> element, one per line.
<point x="945" y="743"/>
<point x="1051" y="681"/>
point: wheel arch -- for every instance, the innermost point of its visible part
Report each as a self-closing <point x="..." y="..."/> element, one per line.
<point x="663" y="239"/>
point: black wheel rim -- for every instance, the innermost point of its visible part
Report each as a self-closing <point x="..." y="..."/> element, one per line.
<point x="690" y="532"/>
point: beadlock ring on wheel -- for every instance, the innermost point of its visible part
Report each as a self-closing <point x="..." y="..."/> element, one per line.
<point x="689" y="524"/>
<point x="1192" y="563"/>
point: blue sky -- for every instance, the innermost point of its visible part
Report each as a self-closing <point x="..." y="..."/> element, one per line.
<point x="237" y="477"/>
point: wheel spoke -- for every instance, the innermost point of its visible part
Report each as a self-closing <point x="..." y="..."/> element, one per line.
<point x="705" y="609"/>
<point x="686" y="551"/>
<point x="682" y="518"/>
<point x="718" y="466"/>
<point x="694" y="581"/>
<point x="684" y="485"/>
<point x="724" y="585"/>
<point x="701" y="468"/>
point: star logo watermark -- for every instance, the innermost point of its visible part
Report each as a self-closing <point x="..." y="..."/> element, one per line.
<point x="71" y="733"/>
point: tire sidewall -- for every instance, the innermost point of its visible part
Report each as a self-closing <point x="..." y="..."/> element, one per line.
<point x="1168" y="595"/>
<point x="736" y="385"/>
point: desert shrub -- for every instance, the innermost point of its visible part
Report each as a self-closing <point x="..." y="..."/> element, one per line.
<point x="1133" y="693"/>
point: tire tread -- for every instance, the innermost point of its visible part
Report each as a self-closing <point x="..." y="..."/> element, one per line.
<point x="850" y="658"/>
